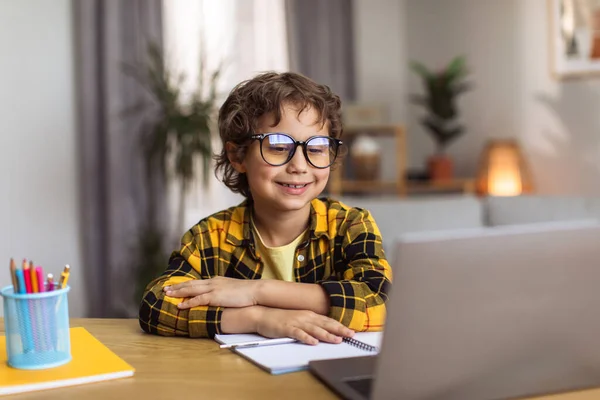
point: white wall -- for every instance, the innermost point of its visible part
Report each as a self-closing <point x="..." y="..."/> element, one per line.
<point x="506" y="43"/>
<point x="380" y="54"/>
<point x="380" y="67"/>
<point x="39" y="201"/>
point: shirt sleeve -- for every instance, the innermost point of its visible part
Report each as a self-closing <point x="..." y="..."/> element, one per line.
<point x="159" y="313"/>
<point x="358" y="299"/>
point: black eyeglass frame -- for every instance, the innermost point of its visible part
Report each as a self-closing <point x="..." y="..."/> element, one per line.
<point x="260" y="137"/>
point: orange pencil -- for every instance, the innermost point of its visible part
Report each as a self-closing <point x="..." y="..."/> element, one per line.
<point x="36" y="288"/>
<point x="13" y="275"/>
<point x="34" y="281"/>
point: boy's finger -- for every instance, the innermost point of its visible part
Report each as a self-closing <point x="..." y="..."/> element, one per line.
<point x="201" y="300"/>
<point x="188" y="291"/>
<point x="181" y="285"/>
<point x="322" y="334"/>
<point x="337" y="328"/>
<point x="302" y="336"/>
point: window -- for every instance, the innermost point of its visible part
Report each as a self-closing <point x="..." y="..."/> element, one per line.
<point x="246" y="37"/>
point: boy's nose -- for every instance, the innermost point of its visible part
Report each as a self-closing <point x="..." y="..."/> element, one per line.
<point x="298" y="163"/>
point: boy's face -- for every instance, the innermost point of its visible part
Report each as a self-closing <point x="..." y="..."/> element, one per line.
<point x="270" y="185"/>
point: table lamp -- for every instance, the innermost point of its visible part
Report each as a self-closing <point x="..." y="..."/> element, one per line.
<point x="503" y="170"/>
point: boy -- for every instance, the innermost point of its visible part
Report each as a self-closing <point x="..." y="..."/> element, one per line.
<point x="284" y="263"/>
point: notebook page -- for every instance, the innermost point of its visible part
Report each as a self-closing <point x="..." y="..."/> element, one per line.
<point x="372" y="338"/>
<point x="296" y="356"/>
<point x="238" y="338"/>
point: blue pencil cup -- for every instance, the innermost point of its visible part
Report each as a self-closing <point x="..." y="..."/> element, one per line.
<point x="37" y="328"/>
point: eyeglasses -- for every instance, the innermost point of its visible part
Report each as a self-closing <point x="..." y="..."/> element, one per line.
<point x="279" y="148"/>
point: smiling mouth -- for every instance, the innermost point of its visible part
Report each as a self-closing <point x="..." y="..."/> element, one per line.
<point x="299" y="186"/>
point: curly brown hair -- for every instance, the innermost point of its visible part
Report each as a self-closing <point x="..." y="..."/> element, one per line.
<point x="264" y="94"/>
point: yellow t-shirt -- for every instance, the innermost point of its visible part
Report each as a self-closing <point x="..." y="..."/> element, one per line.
<point x="278" y="261"/>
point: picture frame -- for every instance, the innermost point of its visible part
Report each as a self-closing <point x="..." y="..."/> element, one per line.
<point x="364" y="115"/>
<point x="574" y="38"/>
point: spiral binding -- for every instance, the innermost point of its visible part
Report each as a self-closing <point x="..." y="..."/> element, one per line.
<point x="359" y="344"/>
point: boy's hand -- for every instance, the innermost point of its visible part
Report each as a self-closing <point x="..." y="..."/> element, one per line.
<point x="218" y="291"/>
<point x="306" y="326"/>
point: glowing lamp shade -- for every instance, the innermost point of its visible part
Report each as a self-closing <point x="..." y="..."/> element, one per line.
<point x="503" y="170"/>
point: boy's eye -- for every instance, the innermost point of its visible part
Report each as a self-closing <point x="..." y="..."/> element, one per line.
<point x="317" y="150"/>
<point x="278" y="144"/>
<point x="278" y="149"/>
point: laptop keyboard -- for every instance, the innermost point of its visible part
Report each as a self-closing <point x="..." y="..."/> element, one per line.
<point x="361" y="385"/>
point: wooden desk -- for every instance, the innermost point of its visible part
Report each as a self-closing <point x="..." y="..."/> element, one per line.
<point x="180" y="368"/>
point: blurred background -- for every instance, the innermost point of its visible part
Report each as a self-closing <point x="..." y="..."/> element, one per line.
<point x="458" y="113"/>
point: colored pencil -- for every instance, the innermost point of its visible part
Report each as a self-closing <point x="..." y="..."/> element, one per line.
<point x="24" y="315"/>
<point x="34" y="281"/>
<point x="21" y="282"/>
<point x="50" y="283"/>
<point x="27" y="277"/>
<point x="64" y="276"/>
<point x="13" y="275"/>
<point x="40" y="278"/>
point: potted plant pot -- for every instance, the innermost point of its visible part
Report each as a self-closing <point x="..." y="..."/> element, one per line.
<point x="440" y="167"/>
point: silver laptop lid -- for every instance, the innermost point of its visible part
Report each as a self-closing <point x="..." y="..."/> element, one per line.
<point x="493" y="313"/>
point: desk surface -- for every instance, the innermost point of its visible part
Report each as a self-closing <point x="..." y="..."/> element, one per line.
<point x="181" y="368"/>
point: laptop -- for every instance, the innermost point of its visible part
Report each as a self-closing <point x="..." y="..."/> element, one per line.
<point x="491" y="313"/>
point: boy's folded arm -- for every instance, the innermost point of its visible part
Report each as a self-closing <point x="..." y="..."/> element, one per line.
<point x="160" y="315"/>
<point x="356" y="305"/>
<point x="358" y="299"/>
<point x="292" y="296"/>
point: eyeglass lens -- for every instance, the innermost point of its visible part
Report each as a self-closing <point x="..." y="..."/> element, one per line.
<point x="277" y="150"/>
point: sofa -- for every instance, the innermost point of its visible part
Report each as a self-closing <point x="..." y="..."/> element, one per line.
<point x="397" y="216"/>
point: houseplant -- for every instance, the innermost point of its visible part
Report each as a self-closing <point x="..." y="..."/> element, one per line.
<point x="441" y="91"/>
<point x="176" y="132"/>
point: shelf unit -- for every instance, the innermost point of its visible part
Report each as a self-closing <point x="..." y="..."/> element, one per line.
<point x="340" y="184"/>
<point x="458" y="185"/>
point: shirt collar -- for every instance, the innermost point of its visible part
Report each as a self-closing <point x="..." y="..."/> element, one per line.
<point x="319" y="219"/>
<point x="239" y="232"/>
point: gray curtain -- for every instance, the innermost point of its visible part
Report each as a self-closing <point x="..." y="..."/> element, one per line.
<point x="109" y="33"/>
<point x="320" y="36"/>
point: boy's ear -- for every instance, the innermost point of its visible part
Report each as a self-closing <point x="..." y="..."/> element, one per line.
<point x="233" y="154"/>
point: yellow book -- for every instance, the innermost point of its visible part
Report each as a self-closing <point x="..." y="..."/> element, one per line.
<point x="91" y="361"/>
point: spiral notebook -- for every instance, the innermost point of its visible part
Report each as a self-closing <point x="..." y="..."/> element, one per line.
<point x="291" y="357"/>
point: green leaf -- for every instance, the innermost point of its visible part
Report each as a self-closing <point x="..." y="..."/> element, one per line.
<point x="442" y="132"/>
<point x="456" y="68"/>
<point x="421" y="70"/>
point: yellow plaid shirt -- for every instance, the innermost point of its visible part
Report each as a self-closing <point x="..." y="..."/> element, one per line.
<point x="343" y="254"/>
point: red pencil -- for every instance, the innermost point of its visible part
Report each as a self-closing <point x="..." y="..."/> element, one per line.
<point x="40" y="279"/>
<point x="27" y="276"/>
